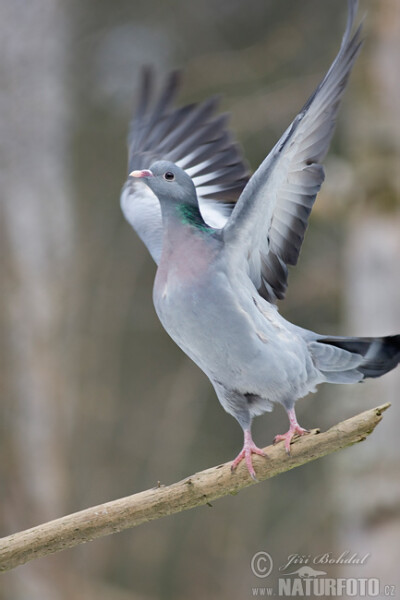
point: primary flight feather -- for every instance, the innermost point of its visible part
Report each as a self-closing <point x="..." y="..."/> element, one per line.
<point x="222" y="242"/>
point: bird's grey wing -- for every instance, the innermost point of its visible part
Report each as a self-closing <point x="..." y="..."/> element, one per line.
<point x="268" y="223"/>
<point x="192" y="137"/>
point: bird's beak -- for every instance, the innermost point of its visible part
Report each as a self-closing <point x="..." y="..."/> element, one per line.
<point x="143" y="173"/>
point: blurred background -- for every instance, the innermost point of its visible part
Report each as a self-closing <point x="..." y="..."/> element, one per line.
<point x="96" y="401"/>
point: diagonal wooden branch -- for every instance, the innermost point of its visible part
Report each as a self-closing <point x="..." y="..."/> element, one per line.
<point x="197" y="490"/>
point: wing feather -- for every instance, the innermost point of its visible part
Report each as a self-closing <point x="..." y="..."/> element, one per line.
<point x="197" y="141"/>
<point x="270" y="219"/>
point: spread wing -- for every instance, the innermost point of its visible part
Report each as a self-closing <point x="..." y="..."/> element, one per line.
<point x="267" y="226"/>
<point x="193" y="138"/>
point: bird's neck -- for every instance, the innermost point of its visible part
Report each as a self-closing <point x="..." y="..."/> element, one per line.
<point x="184" y="214"/>
<point x="188" y="246"/>
<point x="185" y="231"/>
<point x="189" y="214"/>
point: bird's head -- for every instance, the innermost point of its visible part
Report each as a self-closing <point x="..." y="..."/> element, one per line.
<point x="170" y="183"/>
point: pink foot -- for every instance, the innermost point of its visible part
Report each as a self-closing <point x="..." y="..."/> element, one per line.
<point x="248" y="449"/>
<point x="288" y="436"/>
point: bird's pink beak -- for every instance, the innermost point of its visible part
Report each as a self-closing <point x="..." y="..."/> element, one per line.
<point x="143" y="173"/>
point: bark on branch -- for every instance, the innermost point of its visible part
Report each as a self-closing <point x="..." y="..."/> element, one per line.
<point x="196" y="490"/>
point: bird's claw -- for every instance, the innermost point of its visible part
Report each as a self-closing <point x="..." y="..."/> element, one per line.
<point x="248" y="449"/>
<point x="288" y="436"/>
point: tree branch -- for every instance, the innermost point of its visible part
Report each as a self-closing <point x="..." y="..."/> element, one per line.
<point x="197" y="490"/>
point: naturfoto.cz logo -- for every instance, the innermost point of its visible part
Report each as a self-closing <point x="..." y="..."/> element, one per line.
<point x="308" y="581"/>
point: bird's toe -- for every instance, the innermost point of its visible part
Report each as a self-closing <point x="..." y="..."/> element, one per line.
<point x="245" y="454"/>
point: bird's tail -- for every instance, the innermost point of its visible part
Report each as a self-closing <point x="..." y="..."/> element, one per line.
<point x="351" y="359"/>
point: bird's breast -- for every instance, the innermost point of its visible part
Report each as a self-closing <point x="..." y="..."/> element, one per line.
<point x="185" y="262"/>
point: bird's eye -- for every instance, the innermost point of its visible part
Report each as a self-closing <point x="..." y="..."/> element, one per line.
<point x="169" y="176"/>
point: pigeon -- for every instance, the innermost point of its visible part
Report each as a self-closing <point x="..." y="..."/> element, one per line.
<point x="223" y="240"/>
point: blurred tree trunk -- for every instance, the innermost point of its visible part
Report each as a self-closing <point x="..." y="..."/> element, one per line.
<point x="369" y="489"/>
<point x="36" y="254"/>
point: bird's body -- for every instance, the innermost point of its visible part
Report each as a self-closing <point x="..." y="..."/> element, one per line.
<point x="223" y="241"/>
<point x="228" y="330"/>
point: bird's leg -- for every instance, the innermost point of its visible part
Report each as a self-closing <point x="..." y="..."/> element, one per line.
<point x="248" y="449"/>
<point x="293" y="430"/>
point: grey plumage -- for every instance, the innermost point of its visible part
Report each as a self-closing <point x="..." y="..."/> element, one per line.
<point x="380" y="355"/>
<point x="277" y="202"/>
<point x="193" y="138"/>
<point x="216" y="286"/>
